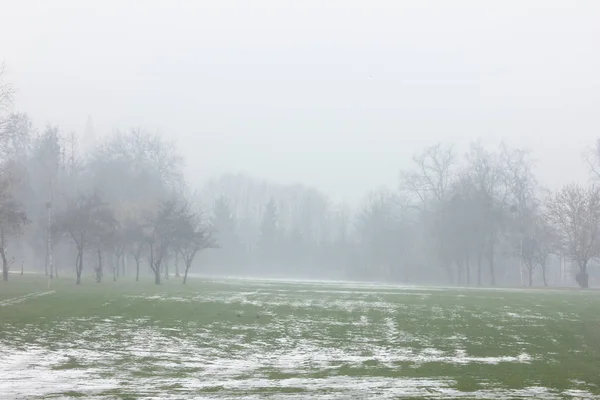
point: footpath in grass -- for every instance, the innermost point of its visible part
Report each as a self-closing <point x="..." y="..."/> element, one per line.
<point x="268" y="339"/>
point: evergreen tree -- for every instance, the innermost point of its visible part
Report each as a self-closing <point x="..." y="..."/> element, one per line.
<point x="224" y="224"/>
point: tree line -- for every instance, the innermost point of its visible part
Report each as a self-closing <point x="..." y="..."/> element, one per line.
<point x="481" y="218"/>
<point x="118" y="207"/>
<point x="123" y="207"/>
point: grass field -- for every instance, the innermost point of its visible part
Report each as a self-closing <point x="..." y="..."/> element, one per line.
<point x="266" y="339"/>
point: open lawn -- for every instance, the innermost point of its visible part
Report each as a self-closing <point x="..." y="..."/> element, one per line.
<point x="268" y="339"/>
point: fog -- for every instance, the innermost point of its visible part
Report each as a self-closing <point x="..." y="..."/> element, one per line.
<point x="324" y="113"/>
<point x="299" y="199"/>
<point x="334" y="94"/>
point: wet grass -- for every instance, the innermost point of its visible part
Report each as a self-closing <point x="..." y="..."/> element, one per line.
<point x="263" y="339"/>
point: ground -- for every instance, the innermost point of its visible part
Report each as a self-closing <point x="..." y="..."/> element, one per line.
<point x="219" y="339"/>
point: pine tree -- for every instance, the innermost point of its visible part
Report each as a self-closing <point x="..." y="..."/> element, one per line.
<point x="225" y="232"/>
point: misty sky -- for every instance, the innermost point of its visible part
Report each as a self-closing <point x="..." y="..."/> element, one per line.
<point x="336" y="94"/>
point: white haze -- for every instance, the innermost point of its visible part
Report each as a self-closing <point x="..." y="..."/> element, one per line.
<point x="335" y="94"/>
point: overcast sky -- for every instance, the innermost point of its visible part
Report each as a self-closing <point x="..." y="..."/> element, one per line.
<point x="336" y="94"/>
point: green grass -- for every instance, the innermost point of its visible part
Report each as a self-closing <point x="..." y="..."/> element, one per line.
<point x="232" y="338"/>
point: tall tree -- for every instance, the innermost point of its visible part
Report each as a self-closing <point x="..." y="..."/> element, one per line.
<point x="86" y="220"/>
<point x="6" y="96"/>
<point x="136" y="243"/>
<point x="575" y="211"/>
<point x="12" y="219"/>
<point x="430" y="180"/>
<point x="269" y="233"/>
<point x="522" y="192"/>
<point x="546" y="244"/>
<point x="489" y="194"/>
<point x="45" y="171"/>
<point x="377" y="227"/>
<point x="193" y="235"/>
<point x="161" y="233"/>
<point x="225" y="231"/>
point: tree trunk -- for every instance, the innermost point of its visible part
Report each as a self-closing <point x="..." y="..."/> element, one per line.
<point x="530" y="272"/>
<point x="185" y="275"/>
<point x="544" y="274"/>
<point x="492" y="267"/>
<point x="468" y="271"/>
<point x="479" y="257"/>
<point x="79" y="266"/>
<point x="49" y="235"/>
<point x="4" y="265"/>
<point x="177" y="274"/>
<point x="582" y="277"/>
<point x="137" y="269"/>
<point x="157" y="276"/>
<point x="99" y="271"/>
<point x="22" y="255"/>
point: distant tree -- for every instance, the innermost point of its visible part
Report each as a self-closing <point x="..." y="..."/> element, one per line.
<point x="193" y="235"/>
<point x="135" y="166"/>
<point x="269" y="232"/>
<point x="489" y="198"/>
<point x="12" y="218"/>
<point x="15" y="139"/>
<point x="105" y="237"/>
<point x="529" y="253"/>
<point x="522" y="191"/>
<point x="430" y="181"/>
<point x="44" y="172"/>
<point x="460" y="230"/>
<point x="377" y="230"/>
<point x="432" y="174"/>
<point x="86" y="220"/>
<point x="225" y="231"/>
<point x="546" y="240"/>
<point x="575" y="212"/>
<point x="116" y="241"/>
<point x="16" y="135"/>
<point x="161" y="233"/>
<point x="136" y="240"/>
<point x="592" y="157"/>
<point x="6" y="96"/>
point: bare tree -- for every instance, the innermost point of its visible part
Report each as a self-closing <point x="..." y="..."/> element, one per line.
<point x="431" y="177"/>
<point x="193" y="235"/>
<point x="489" y="196"/>
<point x="430" y="181"/>
<point x="44" y="172"/>
<point x="377" y="229"/>
<point x="592" y="158"/>
<point x="136" y="242"/>
<point x="575" y="212"/>
<point x="529" y="255"/>
<point x="161" y="233"/>
<point x="6" y="96"/>
<point x="522" y="191"/>
<point x="546" y="244"/>
<point x="86" y="220"/>
<point x="12" y="220"/>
